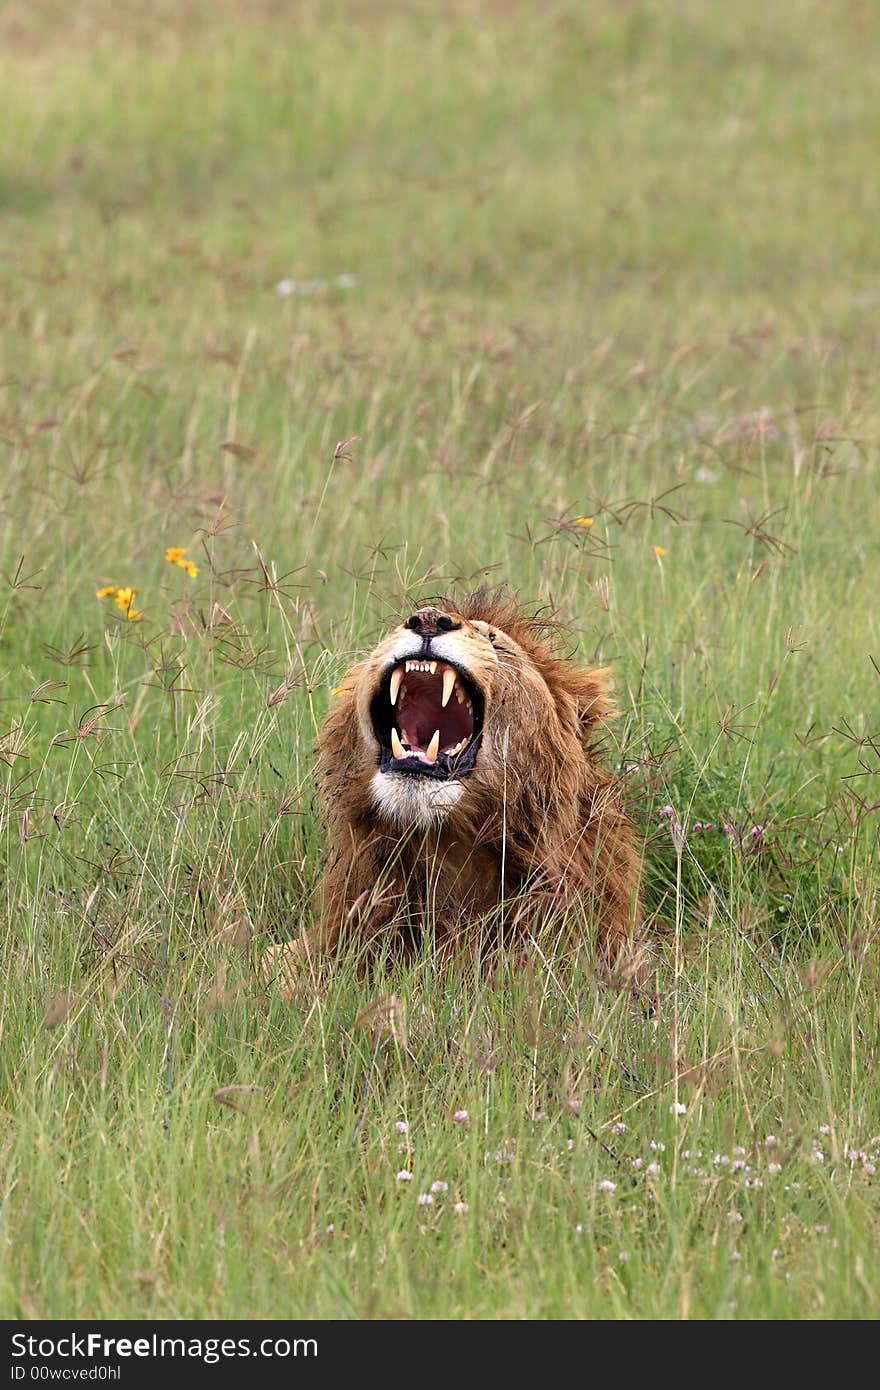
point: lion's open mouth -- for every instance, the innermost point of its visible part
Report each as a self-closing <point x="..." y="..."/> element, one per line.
<point x="428" y="718"/>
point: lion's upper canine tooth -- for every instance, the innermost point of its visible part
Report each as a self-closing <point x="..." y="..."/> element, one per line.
<point x="433" y="748"/>
<point x="396" y="678"/>
<point x="448" y="685"/>
<point x="396" y="745"/>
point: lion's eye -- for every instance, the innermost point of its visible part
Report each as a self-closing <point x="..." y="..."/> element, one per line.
<point x="493" y="637"/>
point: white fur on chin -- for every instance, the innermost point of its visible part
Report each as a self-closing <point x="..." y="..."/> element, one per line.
<point x="407" y="800"/>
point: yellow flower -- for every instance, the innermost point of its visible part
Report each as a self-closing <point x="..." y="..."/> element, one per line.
<point x="175" y="555"/>
<point x="125" y="598"/>
<point x="134" y="615"/>
<point x="585" y="520"/>
<point x="107" y="590"/>
<point x="659" y="551"/>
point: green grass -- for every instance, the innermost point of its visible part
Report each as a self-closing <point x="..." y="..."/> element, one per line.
<point x="617" y="264"/>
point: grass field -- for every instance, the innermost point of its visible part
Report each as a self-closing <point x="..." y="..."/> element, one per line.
<point x="353" y="302"/>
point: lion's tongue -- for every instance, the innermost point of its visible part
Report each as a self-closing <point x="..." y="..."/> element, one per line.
<point x="421" y="715"/>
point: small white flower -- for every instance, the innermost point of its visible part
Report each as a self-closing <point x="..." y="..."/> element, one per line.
<point x="870" y="1169"/>
<point x="425" y="1199"/>
<point x="771" y="1141"/>
<point x="401" y="1126"/>
<point x="623" y="1255"/>
<point x="654" y="1144"/>
<point x="579" y="1230"/>
<point x="404" y="1175"/>
<point x="678" y="1108"/>
<point x="461" y="1208"/>
<point x="285" y="287"/>
<point x="774" y="1167"/>
<point x="606" y="1185"/>
<point x="824" y="1129"/>
<point x="653" y="1169"/>
<point x="735" y="1256"/>
<point x="439" y="1186"/>
<point x="739" y="1151"/>
<point x="618" y="1127"/>
<point x="734" y="1216"/>
<point x="461" y="1117"/>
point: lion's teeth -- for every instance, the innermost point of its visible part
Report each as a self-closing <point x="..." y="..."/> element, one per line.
<point x="433" y="748"/>
<point x="432" y="667"/>
<point x="396" y="745"/>
<point x="396" y="678"/>
<point x="460" y="695"/>
<point x="412" y="666"/>
<point x="448" y="685"/>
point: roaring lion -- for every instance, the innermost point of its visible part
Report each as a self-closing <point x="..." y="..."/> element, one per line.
<point x="463" y="795"/>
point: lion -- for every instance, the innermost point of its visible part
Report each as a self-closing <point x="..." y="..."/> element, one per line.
<point x="464" y="797"/>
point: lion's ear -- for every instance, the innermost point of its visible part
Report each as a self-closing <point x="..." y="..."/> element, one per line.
<point x="592" y="693"/>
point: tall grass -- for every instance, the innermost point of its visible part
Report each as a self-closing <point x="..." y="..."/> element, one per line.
<point x="355" y="303"/>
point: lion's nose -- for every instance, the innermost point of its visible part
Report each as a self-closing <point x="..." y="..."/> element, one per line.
<point x="428" y="622"/>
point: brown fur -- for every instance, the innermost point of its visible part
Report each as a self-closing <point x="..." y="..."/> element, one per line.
<point x="534" y="835"/>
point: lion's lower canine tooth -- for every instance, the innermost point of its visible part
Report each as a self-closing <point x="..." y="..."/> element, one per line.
<point x="448" y="685"/>
<point x="433" y="748"/>
<point x="396" y="745"/>
<point x="396" y="678"/>
<point x="460" y="695"/>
